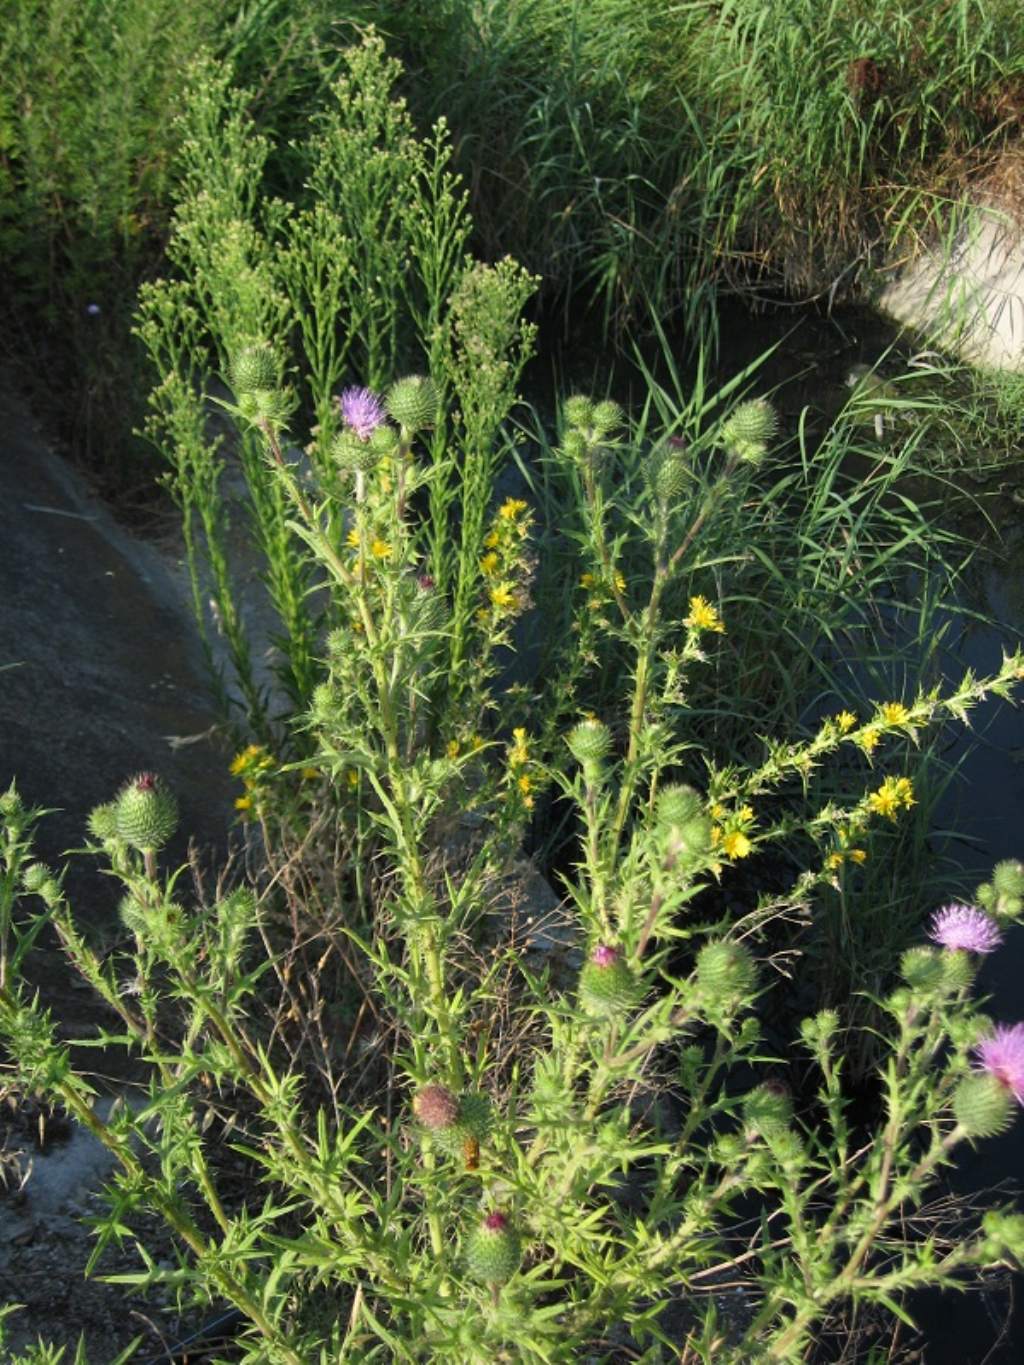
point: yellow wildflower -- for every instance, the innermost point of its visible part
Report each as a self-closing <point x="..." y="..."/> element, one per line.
<point x="491" y="540"/>
<point x="452" y="748"/>
<point x="525" y="784"/>
<point x="477" y="742"/>
<point x="857" y="855"/>
<point x="703" y="616"/>
<point x="519" y="752"/>
<point x="489" y="564"/>
<point x="352" y="777"/>
<point x="620" y="582"/>
<point x="736" y="845"/>
<point x="243" y="802"/>
<point x="846" y="720"/>
<point x="310" y="774"/>
<point x="528" y="802"/>
<point x="586" y="580"/>
<point x="894" y="713"/>
<point x="353" y="538"/>
<point x="868" y="740"/>
<point x="718" y="811"/>
<point x="746" y="813"/>
<point x="834" y="860"/>
<point x="503" y="597"/>
<point x="716" y="835"/>
<point x="380" y="549"/>
<point x="246" y="758"/>
<point x="510" y="508"/>
<point x="891" y="795"/>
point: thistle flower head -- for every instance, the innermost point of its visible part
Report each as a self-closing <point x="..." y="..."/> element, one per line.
<point x="1002" y="1056"/>
<point x="362" y="411"/>
<point x="964" y="926"/>
<point x="436" y="1107"/>
<point x="604" y="956"/>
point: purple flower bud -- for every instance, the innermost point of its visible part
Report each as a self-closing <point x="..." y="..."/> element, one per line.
<point x="425" y="583"/>
<point x="1002" y="1056"/>
<point x="966" y="927"/>
<point x="362" y="411"/>
<point x="603" y="956"/>
<point x="495" y="1221"/>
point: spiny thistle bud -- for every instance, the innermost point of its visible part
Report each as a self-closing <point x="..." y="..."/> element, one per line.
<point x="35" y="877"/>
<point x="767" y="1110"/>
<point x="147" y="813"/>
<point x="351" y="452"/>
<point x="578" y="412"/>
<point x="493" y="1250"/>
<point x="254" y="367"/>
<point x="957" y="971"/>
<point x="436" y="1107"/>
<point x="748" y="429"/>
<point x="1008" y="888"/>
<point x="1003" y="1236"/>
<point x="983" y="1106"/>
<point x="264" y="406"/>
<point x="667" y="471"/>
<point x="384" y="441"/>
<point x="413" y="403"/>
<point x="607" y="985"/>
<point x="473" y="1119"/>
<point x="922" y="969"/>
<point x="575" y="445"/>
<point x="680" y="820"/>
<point x="606" y="417"/>
<point x="590" y="743"/>
<point x="133" y="914"/>
<point x="726" y="969"/>
<point x="819" y="1031"/>
<point x="102" y="821"/>
<point x="10" y="803"/>
<point x="50" y="892"/>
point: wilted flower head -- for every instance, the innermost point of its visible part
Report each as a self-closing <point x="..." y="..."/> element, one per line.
<point x="965" y="926"/>
<point x="1002" y="1056"/>
<point x="362" y="411"/>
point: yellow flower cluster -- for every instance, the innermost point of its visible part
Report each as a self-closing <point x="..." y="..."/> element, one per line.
<point x="703" y="616"/>
<point x="379" y="548"/>
<point x="252" y="765"/>
<point x="844" y="852"/>
<point x="503" y="563"/>
<point x="730" y="835"/>
<point x="518" y="754"/>
<point x="601" y="588"/>
<point x="894" y="793"/>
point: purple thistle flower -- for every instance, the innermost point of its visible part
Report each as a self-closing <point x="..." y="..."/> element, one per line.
<point x="362" y="411"/>
<point x="1002" y="1056"/>
<point x="965" y="926"/>
<point x="603" y="956"/>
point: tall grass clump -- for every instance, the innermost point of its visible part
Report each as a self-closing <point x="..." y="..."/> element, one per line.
<point x="646" y="154"/>
<point x="471" y="1132"/>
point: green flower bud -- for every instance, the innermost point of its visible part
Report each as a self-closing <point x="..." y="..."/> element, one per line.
<point x="767" y="1110"/>
<point x="819" y="1031"/>
<point x="607" y="986"/>
<point x="983" y="1106"/>
<point x="749" y="428"/>
<point x="726" y="970"/>
<point x="578" y="412"/>
<point x="384" y="441"/>
<point x="575" y="445"/>
<point x="147" y="813"/>
<point x="682" y="825"/>
<point x="10" y="803"/>
<point x="350" y="452"/>
<point x="493" y="1250"/>
<point x="263" y="406"/>
<point x="957" y="971"/>
<point x="607" y="416"/>
<point x="436" y="1107"/>
<point x="102" y="822"/>
<point x="922" y="969"/>
<point x="667" y="471"/>
<point x="413" y="403"/>
<point x="474" y="1119"/>
<point x="589" y="743"/>
<point x="1008" y="888"/>
<point x="254" y="367"/>
<point x="133" y="914"/>
<point x="35" y="877"/>
<point x="50" y="892"/>
<point x="1003" y="1236"/>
